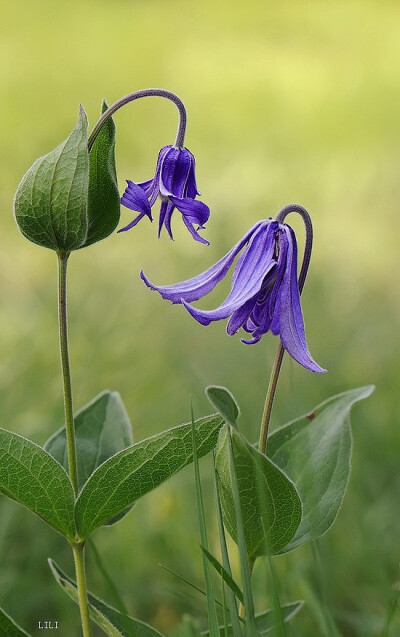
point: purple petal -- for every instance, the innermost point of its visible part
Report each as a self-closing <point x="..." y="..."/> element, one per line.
<point x="264" y="315"/>
<point x="250" y="270"/>
<point x="134" y="222"/>
<point x="252" y="342"/>
<point x="194" y="232"/>
<point x="153" y="191"/>
<point x="240" y="316"/>
<point x="194" y="211"/>
<point x="174" y="172"/>
<point x="147" y="186"/>
<point x="166" y="211"/>
<point x="191" y="188"/>
<point x="134" y="198"/>
<point x="288" y="309"/>
<point x="200" y="285"/>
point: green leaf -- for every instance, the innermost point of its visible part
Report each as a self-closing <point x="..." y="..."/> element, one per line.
<point x="224" y="402"/>
<point x="51" y="201"/>
<point x="269" y="500"/>
<point x="132" y="473"/>
<point x="104" y="200"/>
<point x="229" y="581"/>
<point x="315" y="451"/>
<point x="265" y="620"/>
<point x="109" y="619"/>
<point x="102" y="428"/>
<point x="33" y="478"/>
<point x="9" y="628"/>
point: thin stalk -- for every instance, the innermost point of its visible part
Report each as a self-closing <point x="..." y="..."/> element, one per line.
<point x="242" y="608"/>
<point x="66" y="374"/>
<point x="147" y="92"/>
<point x="79" y="559"/>
<point x="269" y="399"/>
<point x="78" y="549"/>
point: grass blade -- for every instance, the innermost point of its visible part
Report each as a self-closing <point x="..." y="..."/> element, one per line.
<point x="330" y="626"/>
<point x="211" y="606"/>
<point x="233" y="610"/>
<point x="251" y="627"/>
<point x="189" y="583"/>
<point x="229" y="581"/>
<point x="107" y="579"/>
<point x="278" y="618"/>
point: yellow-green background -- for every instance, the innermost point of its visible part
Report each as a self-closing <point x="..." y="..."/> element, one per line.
<point x="287" y="101"/>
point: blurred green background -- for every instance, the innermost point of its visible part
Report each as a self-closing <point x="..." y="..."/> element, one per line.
<point x="290" y="101"/>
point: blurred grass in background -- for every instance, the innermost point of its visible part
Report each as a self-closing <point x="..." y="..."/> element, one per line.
<point x="293" y="101"/>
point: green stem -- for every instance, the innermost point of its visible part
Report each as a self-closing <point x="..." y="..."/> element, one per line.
<point x="147" y="92"/>
<point x="78" y="549"/>
<point x="66" y="374"/>
<point x="79" y="559"/>
<point x="269" y="399"/>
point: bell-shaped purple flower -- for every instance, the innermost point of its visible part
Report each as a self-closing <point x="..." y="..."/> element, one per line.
<point x="264" y="295"/>
<point x="175" y="182"/>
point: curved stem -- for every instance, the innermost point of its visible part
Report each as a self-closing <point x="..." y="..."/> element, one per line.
<point x="147" y="92"/>
<point x="280" y="218"/>
<point x="273" y="381"/>
<point x="66" y="374"/>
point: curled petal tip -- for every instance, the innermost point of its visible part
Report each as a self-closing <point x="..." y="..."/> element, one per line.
<point x="146" y="280"/>
<point x="196" y="313"/>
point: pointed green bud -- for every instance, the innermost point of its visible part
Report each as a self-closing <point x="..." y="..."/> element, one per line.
<point x="69" y="198"/>
<point x="51" y="201"/>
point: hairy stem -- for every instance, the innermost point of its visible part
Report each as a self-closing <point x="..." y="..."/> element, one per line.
<point x="147" y="92"/>
<point x="273" y="381"/>
<point x="78" y="549"/>
<point x="79" y="559"/>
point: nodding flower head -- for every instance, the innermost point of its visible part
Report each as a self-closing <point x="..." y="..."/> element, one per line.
<point x="264" y="294"/>
<point x="175" y="182"/>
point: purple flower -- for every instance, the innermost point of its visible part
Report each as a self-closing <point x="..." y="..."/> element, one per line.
<point x="175" y="182"/>
<point x="264" y="294"/>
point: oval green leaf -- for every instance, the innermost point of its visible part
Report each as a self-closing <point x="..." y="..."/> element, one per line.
<point x="224" y="402"/>
<point x="270" y="504"/>
<point x="51" y="201"/>
<point x="30" y="476"/>
<point x="103" y="198"/>
<point x="102" y="428"/>
<point x="132" y="473"/>
<point x="315" y="452"/>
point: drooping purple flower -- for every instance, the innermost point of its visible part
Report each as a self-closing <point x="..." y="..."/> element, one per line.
<point x="264" y="295"/>
<point x="175" y="182"/>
